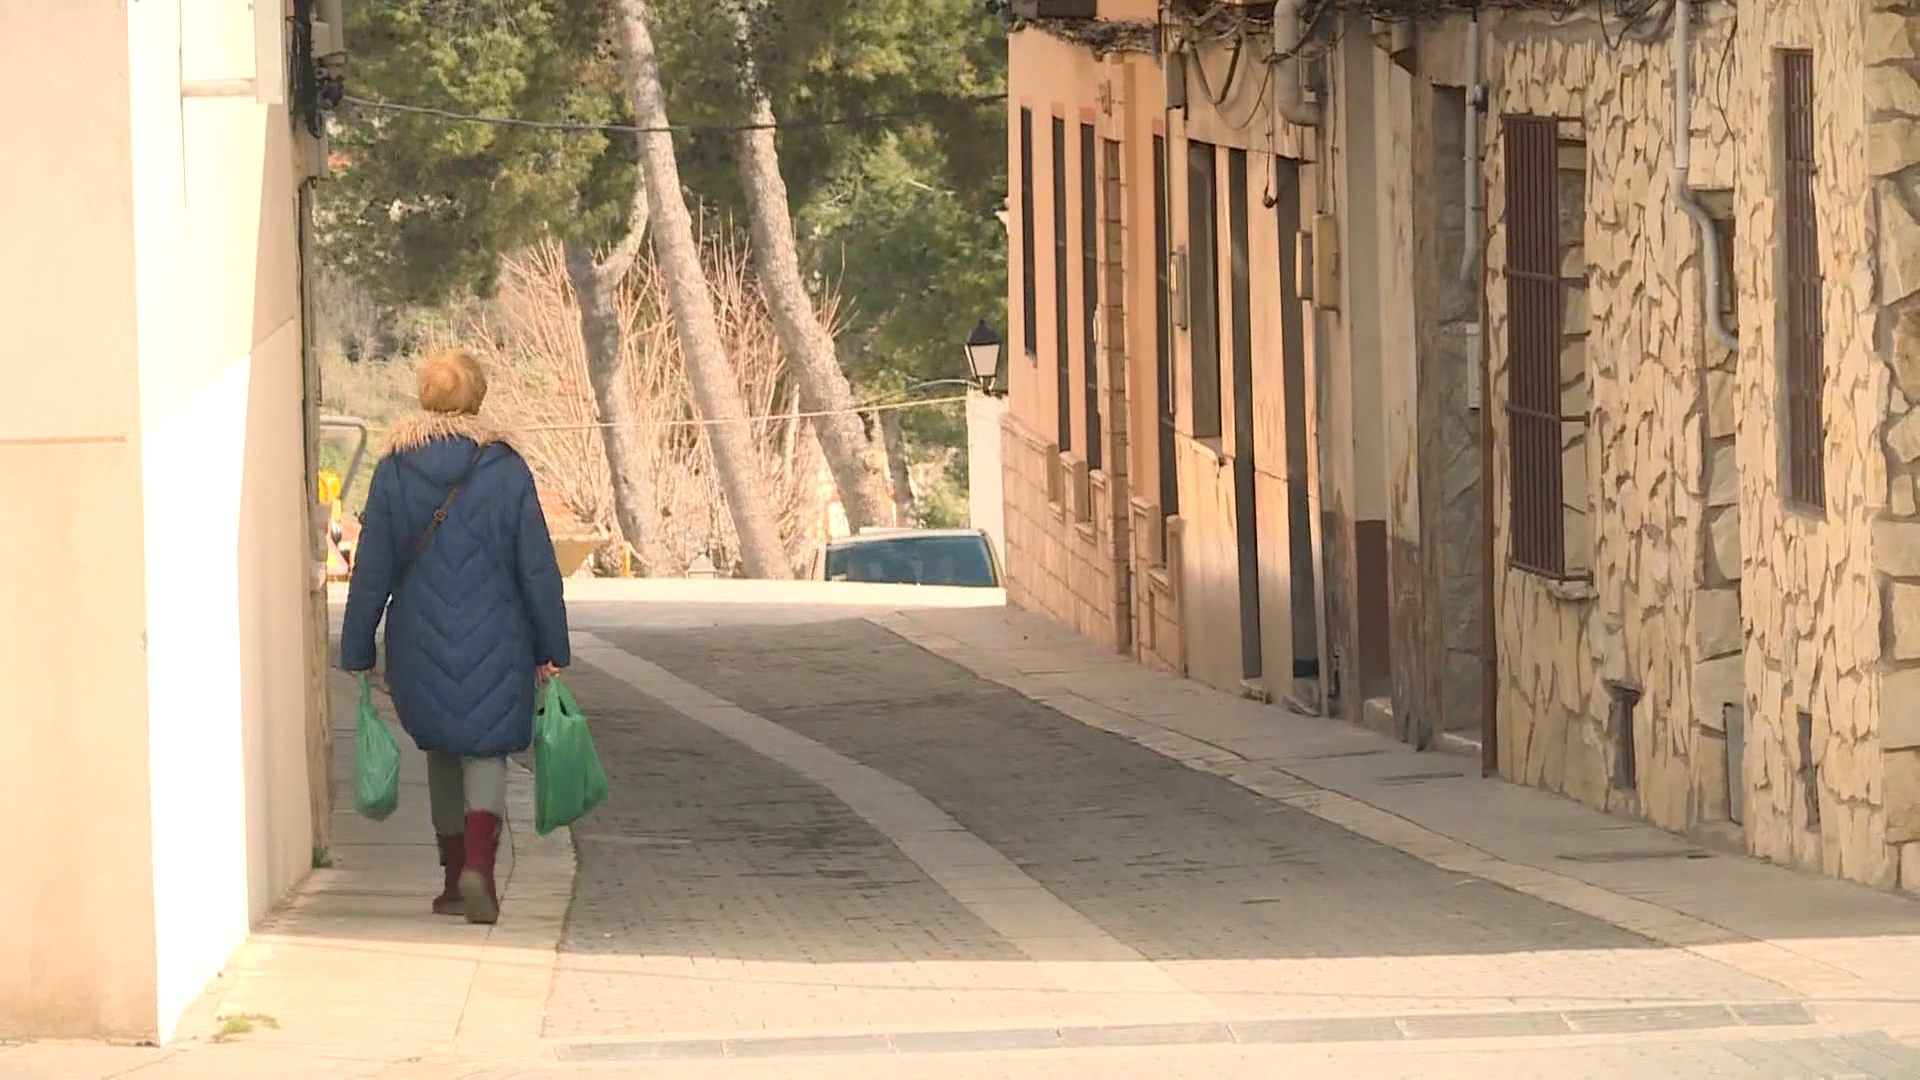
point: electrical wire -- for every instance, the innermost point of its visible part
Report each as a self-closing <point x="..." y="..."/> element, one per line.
<point x="857" y="410"/>
<point x="583" y="127"/>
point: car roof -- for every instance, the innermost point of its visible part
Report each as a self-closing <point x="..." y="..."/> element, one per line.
<point x="876" y="535"/>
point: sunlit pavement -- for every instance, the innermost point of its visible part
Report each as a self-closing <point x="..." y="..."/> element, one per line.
<point x="893" y="833"/>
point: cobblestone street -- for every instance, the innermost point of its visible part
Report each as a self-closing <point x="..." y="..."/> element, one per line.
<point x="847" y="838"/>
<point x="826" y="841"/>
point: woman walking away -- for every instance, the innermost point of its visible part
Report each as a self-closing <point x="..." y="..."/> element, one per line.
<point x="454" y="552"/>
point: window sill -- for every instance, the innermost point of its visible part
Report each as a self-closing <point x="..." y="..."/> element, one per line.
<point x="1806" y="513"/>
<point x="1572" y="590"/>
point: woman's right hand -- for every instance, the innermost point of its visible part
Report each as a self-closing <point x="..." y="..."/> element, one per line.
<point x="546" y="671"/>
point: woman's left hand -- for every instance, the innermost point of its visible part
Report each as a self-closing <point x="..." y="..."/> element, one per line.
<point x="546" y="671"/>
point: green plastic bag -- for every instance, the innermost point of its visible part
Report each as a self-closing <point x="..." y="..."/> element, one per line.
<point x="376" y="761"/>
<point x="568" y="779"/>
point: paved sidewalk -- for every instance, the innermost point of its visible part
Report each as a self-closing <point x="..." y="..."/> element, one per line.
<point x="353" y="976"/>
<point x="1851" y="952"/>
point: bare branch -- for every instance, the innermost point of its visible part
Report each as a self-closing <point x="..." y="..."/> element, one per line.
<point x="613" y="269"/>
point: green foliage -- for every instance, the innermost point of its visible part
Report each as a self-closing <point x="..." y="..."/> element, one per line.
<point x="894" y="209"/>
<point x="426" y="204"/>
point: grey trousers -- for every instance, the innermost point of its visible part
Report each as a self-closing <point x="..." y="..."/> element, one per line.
<point x="457" y="784"/>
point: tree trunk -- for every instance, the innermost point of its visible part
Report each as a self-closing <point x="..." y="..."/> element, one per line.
<point x="896" y="443"/>
<point x="634" y="506"/>
<point x="824" y="389"/>
<point x="716" y="390"/>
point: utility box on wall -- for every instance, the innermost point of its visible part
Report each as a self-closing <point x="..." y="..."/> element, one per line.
<point x="1324" y="265"/>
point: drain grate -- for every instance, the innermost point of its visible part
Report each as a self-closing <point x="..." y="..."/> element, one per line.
<point x="1637" y="856"/>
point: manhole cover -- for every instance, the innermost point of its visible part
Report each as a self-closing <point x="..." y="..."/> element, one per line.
<point x="1637" y="856"/>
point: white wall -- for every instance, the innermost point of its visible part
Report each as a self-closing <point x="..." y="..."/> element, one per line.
<point x="986" y="486"/>
<point x="198" y="822"/>
<point x="151" y="471"/>
<point x="220" y="418"/>
<point x="76" y="929"/>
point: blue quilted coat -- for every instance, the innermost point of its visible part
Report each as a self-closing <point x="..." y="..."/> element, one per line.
<point x="481" y="608"/>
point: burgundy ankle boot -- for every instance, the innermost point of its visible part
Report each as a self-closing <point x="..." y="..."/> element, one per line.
<point x="478" y="893"/>
<point x="453" y="857"/>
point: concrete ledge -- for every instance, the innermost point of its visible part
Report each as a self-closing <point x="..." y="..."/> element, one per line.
<point x="1447" y="742"/>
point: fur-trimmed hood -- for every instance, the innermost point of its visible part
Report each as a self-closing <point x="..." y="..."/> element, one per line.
<point x="415" y="430"/>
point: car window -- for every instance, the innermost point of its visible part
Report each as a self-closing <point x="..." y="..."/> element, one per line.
<point x="914" y="560"/>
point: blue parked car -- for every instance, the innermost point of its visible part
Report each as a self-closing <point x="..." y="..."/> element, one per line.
<point x="962" y="557"/>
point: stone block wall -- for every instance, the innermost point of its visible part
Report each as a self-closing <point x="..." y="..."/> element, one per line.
<point x="1157" y="638"/>
<point x="1719" y="635"/>
<point x="1059" y="544"/>
<point x="1892" y="90"/>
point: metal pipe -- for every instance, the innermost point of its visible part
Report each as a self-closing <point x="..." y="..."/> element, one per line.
<point x="1476" y="108"/>
<point x="1475" y="195"/>
<point x="1712" y="284"/>
<point x="1479" y="362"/>
<point x="1288" y="100"/>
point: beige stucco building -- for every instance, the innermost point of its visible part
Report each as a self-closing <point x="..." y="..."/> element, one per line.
<point x="1699" y="554"/>
<point x="157" y="543"/>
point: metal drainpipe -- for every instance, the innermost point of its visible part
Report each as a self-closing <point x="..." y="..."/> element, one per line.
<point x="1475" y="202"/>
<point x="1470" y="272"/>
<point x="1288" y="27"/>
<point x="1712" y="285"/>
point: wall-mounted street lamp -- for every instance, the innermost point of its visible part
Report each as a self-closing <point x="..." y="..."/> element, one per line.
<point x="984" y="357"/>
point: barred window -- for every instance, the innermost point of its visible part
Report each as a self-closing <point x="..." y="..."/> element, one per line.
<point x="1804" y="347"/>
<point x="1550" y="529"/>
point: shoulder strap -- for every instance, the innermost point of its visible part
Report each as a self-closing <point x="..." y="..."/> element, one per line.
<point x="426" y="535"/>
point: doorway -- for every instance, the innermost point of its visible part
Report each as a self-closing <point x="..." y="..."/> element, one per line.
<point x="1245" y="511"/>
<point x="1167" y="467"/>
<point x="1303" y="588"/>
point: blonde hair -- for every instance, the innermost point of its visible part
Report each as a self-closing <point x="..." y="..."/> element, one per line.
<point x="452" y="382"/>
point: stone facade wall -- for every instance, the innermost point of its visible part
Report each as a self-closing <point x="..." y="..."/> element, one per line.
<point x="1892" y="90"/>
<point x="1808" y="595"/>
<point x="1450" y="511"/>
<point x="1436" y="569"/>
<point x="1632" y="485"/>
<point x="1711" y="597"/>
